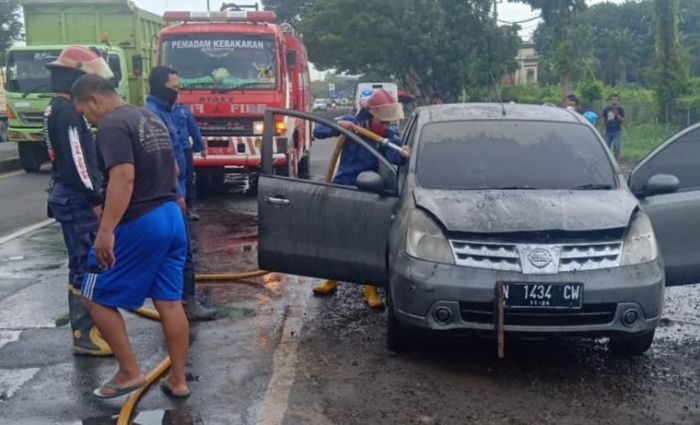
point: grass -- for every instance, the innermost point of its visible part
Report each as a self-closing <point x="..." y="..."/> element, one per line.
<point x="640" y="139"/>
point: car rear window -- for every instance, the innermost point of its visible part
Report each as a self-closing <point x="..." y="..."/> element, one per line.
<point x="463" y="155"/>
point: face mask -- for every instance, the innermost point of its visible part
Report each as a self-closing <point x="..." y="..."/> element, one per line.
<point x="167" y="95"/>
<point x="378" y="128"/>
<point x="571" y="109"/>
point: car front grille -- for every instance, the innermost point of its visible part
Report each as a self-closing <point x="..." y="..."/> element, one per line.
<point x="32" y="117"/>
<point x="565" y="257"/>
<point x="580" y="257"/>
<point x="589" y="314"/>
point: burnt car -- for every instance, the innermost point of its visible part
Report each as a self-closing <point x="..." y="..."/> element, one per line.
<point x="528" y="196"/>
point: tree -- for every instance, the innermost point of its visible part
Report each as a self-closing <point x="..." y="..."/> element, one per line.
<point x="10" y="26"/>
<point x="426" y="45"/>
<point x="288" y="10"/>
<point x="560" y="17"/>
<point x="669" y="74"/>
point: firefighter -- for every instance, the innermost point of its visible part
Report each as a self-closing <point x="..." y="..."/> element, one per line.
<point x="164" y="85"/>
<point x="378" y="112"/>
<point x="75" y="193"/>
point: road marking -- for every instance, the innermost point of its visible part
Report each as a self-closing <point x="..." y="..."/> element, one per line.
<point x="24" y="309"/>
<point x="12" y="380"/>
<point x="7" y="337"/>
<point x="284" y="366"/>
<point x="26" y="230"/>
<point x="12" y="174"/>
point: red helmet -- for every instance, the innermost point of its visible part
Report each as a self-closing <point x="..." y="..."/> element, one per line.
<point x="383" y="106"/>
<point x="82" y="59"/>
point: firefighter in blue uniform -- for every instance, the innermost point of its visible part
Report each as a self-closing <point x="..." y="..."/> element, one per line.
<point x="187" y="129"/>
<point x="75" y="194"/>
<point x="379" y="111"/>
<point x="164" y="84"/>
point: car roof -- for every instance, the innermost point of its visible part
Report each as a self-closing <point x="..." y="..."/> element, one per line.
<point x="494" y="111"/>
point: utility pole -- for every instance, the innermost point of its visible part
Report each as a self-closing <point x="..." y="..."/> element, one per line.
<point x="208" y="6"/>
<point x="495" y="10"/>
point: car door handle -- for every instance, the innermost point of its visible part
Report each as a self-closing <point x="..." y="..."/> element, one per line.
<point x="277" y="201"/>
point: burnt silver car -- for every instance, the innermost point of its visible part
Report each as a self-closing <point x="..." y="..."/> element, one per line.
<point x="521" y="195"/>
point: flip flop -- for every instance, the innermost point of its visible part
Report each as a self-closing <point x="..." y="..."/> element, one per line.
<point x="165" y="387"/>
<point x="118" y="391"/>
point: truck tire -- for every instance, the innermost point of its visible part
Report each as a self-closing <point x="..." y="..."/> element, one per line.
<point x="32" y="155"/>
<point x="3" y="130"/>
<point x="631" y="345"/>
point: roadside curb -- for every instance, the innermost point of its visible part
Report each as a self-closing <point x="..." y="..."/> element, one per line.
<point x="10" y="164"/>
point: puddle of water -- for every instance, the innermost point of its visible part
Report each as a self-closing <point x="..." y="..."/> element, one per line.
<point x="181" y="415"/>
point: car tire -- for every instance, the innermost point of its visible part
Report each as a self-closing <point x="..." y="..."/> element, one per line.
<point x="398" y="335"/>
<point x="631" y="345"/>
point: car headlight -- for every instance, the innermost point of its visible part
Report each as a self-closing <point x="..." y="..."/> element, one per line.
<point x="425" y="240"/>
<point x="640" y="243"/>
<point x="258" y="127"/>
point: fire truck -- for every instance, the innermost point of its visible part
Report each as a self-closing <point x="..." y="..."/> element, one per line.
<point x="232" y="65"/>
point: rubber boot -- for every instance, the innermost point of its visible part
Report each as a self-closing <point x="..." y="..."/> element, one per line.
<point x="194" y="309"/>
<point x="86" y="337"/>
<point x="327" y="287"/>
<point x="372" y="297"/>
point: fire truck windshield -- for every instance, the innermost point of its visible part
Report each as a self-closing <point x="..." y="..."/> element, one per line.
<point x="222" y="61"/>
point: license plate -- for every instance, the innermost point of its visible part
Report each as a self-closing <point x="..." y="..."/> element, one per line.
<point x="545" y="295"/>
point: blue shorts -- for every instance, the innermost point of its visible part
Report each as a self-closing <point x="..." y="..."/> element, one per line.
<point x="149" y="258"/>
<point x="614" y="140"/>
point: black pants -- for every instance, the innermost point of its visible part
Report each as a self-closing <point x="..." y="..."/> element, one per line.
<point x="189" y="180"/>
<point x="189" y="270"/>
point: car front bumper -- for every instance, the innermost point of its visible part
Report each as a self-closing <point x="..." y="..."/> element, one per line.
<point x="419" y="288"/>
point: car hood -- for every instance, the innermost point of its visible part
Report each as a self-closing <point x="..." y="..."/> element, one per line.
<point x="528" y="210"/>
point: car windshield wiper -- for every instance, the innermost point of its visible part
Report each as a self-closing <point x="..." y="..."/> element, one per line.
<point x="523" y="187"/>
<point x="36" y="89"/>
<point x="593" y="186"/>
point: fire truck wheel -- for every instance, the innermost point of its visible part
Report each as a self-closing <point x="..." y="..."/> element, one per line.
<point x="304" y="163"/>
<point x="282" y="170"/>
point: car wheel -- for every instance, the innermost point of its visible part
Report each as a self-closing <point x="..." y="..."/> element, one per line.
<point x="631" y="345"/>
<point x="398" y="335"/>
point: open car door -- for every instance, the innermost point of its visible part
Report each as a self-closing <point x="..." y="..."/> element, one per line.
<point x="667" y="181"/>
<point x="323" y="230"/>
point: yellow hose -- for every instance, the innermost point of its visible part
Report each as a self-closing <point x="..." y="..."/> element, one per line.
<point x="130" y="403"/>
<point x="147" y="313"/>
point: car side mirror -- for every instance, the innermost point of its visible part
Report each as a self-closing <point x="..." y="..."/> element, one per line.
<point x="291" y="59"/>
<point x="659" y="184"/>
<point x="369" y="181"/>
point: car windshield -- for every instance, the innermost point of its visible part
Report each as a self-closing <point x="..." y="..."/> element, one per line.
<point x="26" y="70"/>
<point x="491" y="155"/>
<point x="222" y="61"/>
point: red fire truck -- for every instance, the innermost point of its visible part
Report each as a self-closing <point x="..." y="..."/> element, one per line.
<point x="232" y="65"/>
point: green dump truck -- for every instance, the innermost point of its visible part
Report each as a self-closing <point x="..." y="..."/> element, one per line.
<point x="124" y="35"/>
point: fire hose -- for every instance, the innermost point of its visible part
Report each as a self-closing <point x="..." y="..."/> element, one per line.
<point x="128" y="407"/>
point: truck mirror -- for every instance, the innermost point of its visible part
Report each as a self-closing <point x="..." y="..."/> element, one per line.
<point x="137" y="65"/>
<point x="291" y="58"/>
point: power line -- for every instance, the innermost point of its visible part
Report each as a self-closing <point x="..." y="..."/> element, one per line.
<point x="534" y="18"/>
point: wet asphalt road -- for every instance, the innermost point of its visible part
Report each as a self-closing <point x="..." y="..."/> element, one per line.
<point x="282" y="356"/>
<point x="22" y="199"/>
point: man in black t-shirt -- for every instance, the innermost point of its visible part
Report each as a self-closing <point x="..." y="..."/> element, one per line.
<point x="140" y="248"/>
<point x="75" y="194"/>
<point x="611" y="125"/>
